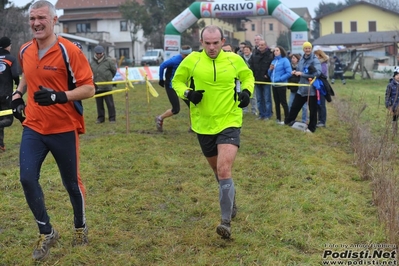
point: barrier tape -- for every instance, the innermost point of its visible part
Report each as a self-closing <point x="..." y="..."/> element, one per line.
<point x="151" y="90"/>
<point x="9" y="111"/>
<point x="287" y="84"/>
<point x="6" y="112"/>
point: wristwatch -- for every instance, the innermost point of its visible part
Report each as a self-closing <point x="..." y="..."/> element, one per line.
<point x="17" y="92"/>
<point x="186" y="93"/>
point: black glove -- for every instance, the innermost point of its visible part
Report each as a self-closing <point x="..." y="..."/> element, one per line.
<point x="18" y="109"/>
<point x="243" y="97"/>
<point x="46" y="96"/>
<point x="161" y="83"/>
<point x="195" y="96"/>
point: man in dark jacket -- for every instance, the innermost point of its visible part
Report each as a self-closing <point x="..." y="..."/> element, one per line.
<point x="259" y="63"/>
<point x="338" y="71"/>
<point x="104" y="69"/>
<point x="8" y="74"/>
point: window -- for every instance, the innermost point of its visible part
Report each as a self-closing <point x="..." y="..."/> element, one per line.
<point x="353" y="26"/>
<point x="123" y="25"/>
<point x="271" y="27"/>
<point x="372" y="26"/>
<point x="337" y="27"/>
<point x="253" y="27"/>
<point x="122" y="52"/>
<point x="83" y="27"/>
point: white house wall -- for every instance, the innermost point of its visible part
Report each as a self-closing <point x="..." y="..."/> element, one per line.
<point x="122" y="39"/>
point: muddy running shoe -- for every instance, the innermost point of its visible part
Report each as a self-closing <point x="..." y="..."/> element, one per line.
<point x="2" y="148"/>
<point x="224" y="229"/>
<point x="159" y="123"/>
<point x="80" y="237"/>
<point x="43" y="245"/>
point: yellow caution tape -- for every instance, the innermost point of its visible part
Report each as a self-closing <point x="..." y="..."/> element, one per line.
<point x="6" y="112"/>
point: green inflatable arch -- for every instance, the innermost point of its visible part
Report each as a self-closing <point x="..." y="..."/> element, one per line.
<point x="242" y="9"/>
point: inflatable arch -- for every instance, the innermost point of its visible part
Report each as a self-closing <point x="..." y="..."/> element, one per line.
<point x="197" y="10"/>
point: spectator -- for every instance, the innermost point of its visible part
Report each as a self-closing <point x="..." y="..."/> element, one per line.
<point x="227" y="47"/>
<point x="306" y="93"/>
<point x="215" y="115"/>
<point x="392" y="99"/>
<point x="293" y="89"/>
<point x="321" y="107"/>
<point x="171" y="66"/>
<point x="247" y="55"/>
<point x="338" y="71"/>
<point x="104" y="69"/>
<point x="240" y="50"/>
<point x="54" y="120"/>
<point x="8" y="75"/>
<point x="259" y="63"/>
<point x="279" y="72"/>
<point x="257" y="39"/>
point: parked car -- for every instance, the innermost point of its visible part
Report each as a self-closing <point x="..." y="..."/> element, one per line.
<point x="127" y="62"/>
<point x="153" y="57"/>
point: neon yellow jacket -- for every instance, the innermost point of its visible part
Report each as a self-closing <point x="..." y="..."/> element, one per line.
<point x="218" y="108"/>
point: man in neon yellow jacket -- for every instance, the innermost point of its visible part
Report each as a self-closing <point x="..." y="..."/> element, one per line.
<point x="218" y="84"/>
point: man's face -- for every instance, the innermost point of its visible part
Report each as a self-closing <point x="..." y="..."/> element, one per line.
<point x="242" y="47"/>
<point x="262" y="46"/>
<point x="212" y="43"/>
<point x="41" y="23"/>
<point x="257" y="40"/>
<point x="99" y="55"/>
<point x="307" y="50"/>
<point x="227" y="48"/>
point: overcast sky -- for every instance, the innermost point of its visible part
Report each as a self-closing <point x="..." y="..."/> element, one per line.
<point x="310" y="4"/>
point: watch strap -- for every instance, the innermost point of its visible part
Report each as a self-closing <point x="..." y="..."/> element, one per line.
<point x="17" y="92"/>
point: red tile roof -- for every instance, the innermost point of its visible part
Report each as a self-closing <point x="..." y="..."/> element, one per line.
<point x="79" y="4"/>
<point x="90" y="16"/>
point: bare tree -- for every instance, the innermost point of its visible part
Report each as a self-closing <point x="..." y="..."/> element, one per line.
<point x="388" y="4"/>
<point x="14" y="24"/>
<point x="138" y="19"/>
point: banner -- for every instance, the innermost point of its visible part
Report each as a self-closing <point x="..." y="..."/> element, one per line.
<point x="138" y="73"/>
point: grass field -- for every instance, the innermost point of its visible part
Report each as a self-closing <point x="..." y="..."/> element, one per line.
<point x="153" y="200"/>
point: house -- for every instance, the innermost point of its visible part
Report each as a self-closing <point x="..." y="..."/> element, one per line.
<point x="244" y="29"/>
<point x="101" y="21"/>
<point x="359" y="17"/>
<point x="230" y="27"/>
<point x="85" y="42"/>
<point x="270" y="27"/>
<point x="374" y="37"/>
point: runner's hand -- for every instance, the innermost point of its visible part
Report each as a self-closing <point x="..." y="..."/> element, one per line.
<point x="46" y="96"/>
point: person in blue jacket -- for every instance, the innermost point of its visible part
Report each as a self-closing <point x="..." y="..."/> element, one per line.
<point x="171" y="66"/>
<point x="308" y="68"/>
<point x="279" y="72"/>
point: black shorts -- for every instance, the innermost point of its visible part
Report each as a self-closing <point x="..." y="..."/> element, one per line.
<point x="209" y="143"/>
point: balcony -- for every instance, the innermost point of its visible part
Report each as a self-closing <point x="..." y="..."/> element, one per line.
<point x="101" y="36"/>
